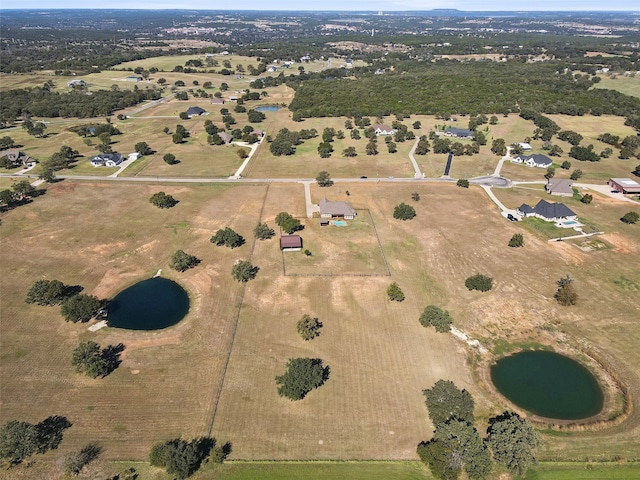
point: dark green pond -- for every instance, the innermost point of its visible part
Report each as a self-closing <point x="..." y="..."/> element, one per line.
<point x="148" y="305"/>
<point x="548" y="384"/>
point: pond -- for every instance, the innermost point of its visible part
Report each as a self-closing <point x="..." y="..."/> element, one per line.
<point x="548" y="384"/>
<point x="268" y="108"/>
<point x="148" y="305"/>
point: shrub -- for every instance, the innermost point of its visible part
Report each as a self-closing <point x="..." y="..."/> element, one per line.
<point x="395" y="293"/>
<point x="463" y="182"/>
<point x="566" y="294"/>
<point x="479" y="282"/>
<point x="630" y="217"/>
<point x="517" y="240"/>
<point x="436" y="317"/>
<point x="308" y="327"/>
<point x="302" y="376"/>
<point x="404" y="212"/>
<point x="587" y="198"/>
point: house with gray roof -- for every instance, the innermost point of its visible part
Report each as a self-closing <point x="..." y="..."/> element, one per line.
<point x="551" y="212"/>
<point x="226" y="138"/>
<point x="560" y="187"/>
<point x="17" y="158"/>
<point x="533" y="160"/>
<point x="195" y="111"/>
<point x="458" y="132"/>
<point x="336" y="210"/>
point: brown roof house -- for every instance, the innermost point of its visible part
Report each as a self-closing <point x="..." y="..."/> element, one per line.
<point x="559" y="187"/>
<point x="290" y="243"/>
<point x="336" y="209"/>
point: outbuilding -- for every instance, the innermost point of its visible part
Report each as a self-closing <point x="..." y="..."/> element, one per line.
<point x="290" y="243"/>
<point x="624" y="185"/>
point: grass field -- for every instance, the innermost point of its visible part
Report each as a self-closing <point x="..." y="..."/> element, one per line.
<point x="626" y="85"/>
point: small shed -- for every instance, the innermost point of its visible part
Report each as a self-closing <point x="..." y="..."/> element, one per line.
<point x="290" y="243"/>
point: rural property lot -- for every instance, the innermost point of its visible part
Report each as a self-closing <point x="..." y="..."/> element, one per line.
<point x="380" y="357"/>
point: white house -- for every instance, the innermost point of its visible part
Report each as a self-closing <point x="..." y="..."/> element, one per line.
<point x="383" y="130"/>
<point x="107" y="160"/>
<point x="534" y="160"/>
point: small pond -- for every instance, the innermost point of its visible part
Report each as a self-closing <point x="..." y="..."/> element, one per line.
<point x="148" y="305"/>
<point x="548" y="384"/>
<point x="268" y="108"/>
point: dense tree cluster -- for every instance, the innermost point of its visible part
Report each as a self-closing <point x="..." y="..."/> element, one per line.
<point x="182" y="458"/>
<point x="49" y="292"/>
<point x="81" y="307"/>
<point x="43" y="102"/>
<point x="287" y="223"/>
<point x="302" y="376"/>
<point x="19" y="440"/>
<point x="20" y="193"/>
<point x="444" y="401"/>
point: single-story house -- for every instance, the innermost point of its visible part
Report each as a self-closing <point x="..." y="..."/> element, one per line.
<point x="134" y="156"/>
<point x="17" y="158"/>
<point x="383" y="130"/>
<point x="336" y="209"/>
<point x="77" y="83"/>
<point x="226" y="138"/>
<point x="233" y="98"/>
<point x="624" y="185"/>
<point x="195" y="111"/>
<point x="458" y="132"/>
<point x="551" y="212"/>
<point x="290" y="243"/>
<point x="525" y="146"/>
<point x="258" y="133"/>
<point x="560" y="187"/>
<point x="535" y="160"/>
<point x="272" y="68"/>
<point x="217" y="101"/>
<point x="107" y="160"/>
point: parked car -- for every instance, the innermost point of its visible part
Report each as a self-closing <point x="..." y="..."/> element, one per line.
<point x="511" y="218"/>
<point x="363" y="176"/>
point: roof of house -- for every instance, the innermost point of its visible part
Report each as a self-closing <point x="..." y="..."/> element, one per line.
<point x="290" y="241"/>
<point x="382" y="128"/>
<point x="627" y="184"/>
<point x="225" y="136"/>
<point x="104" y="157"/>
<point x="258" y="132"/>
<point x="16" y="156"/>
<point x="560" y="185"/>
<point x="537" y="158"/>
<point x="526" y="209"/>
<point x="525" y="146"/>
<point x="217" y="100"/>
<point x="459" y="132"/>
<point x="336" y="209"/>
<point x="195" y="111"/>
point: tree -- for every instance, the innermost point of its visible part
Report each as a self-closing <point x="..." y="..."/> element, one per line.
<point x="308" y="327"/>
<point x="143" y="148"/>
<point x="636" y="172"/>
<point x="479" y="282"/>
<point x="170" y="158"/>
<point x="263" y="231"/>
<point x="493" y="120"/>
<point x="181" y="261"/>
<point x="566" y="294"/>
<point x="46" y="292"/>
<point x="227" y="237"/>
<point x="162" y="200"/>
<point x="576" y="174"/>
<point x="463" y="182"/>
<point x="324" y="179"/>
<point x="6" y="142"/>
<point x="433" y="315"/>
<point x="371" y="148"/>
<point x="551" y="171"/>
<point x="517" y="240"/>
<point x="630" y="218"/>
<point x="556" y="151"/>
<point x="566" y="165"/>
<point x="18" y="440"/>
<point x="177" y="138"/>
<point x="348" y="124"/>
<point x="302" y="376"/>
<point x="587" y="198"/>
<point x="94" y="361"/>
<point x="77" y="460"/>
<point x="182" y="458"/>
<point x="456" y="445"/>
<point x="81" y="307"/>
<point x="48" y="175"/>
<point x="444" y="401"/>
<point x="242" y="153"/>
<point x="417" y="125"/>
<point x="243" y="271"/>
<point x="355" y="134"/>
<point x="395" y="293"/>
<point x="513" y="442"/>
<point x="350" y="152"/>
<point x="50" y="432"/>
<point x="415" y="196"/>
<point x="423" y="146"/>
<point x="499" y="147"/>
<point x="287" y="223"/>
<point x="404" y="212"/>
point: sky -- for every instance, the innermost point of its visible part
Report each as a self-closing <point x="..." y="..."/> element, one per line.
<point x="328" y="5"/>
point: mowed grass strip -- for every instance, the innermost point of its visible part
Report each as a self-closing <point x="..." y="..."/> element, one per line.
<point x="105" y="238"/>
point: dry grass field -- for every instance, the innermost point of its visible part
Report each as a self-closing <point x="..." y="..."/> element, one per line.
<point x="626" y="85"/>
<point x="380" y="357"/>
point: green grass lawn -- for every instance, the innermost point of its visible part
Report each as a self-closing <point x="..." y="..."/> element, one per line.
<point x="584" y="471"/>
<point x="626" y="85"/>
